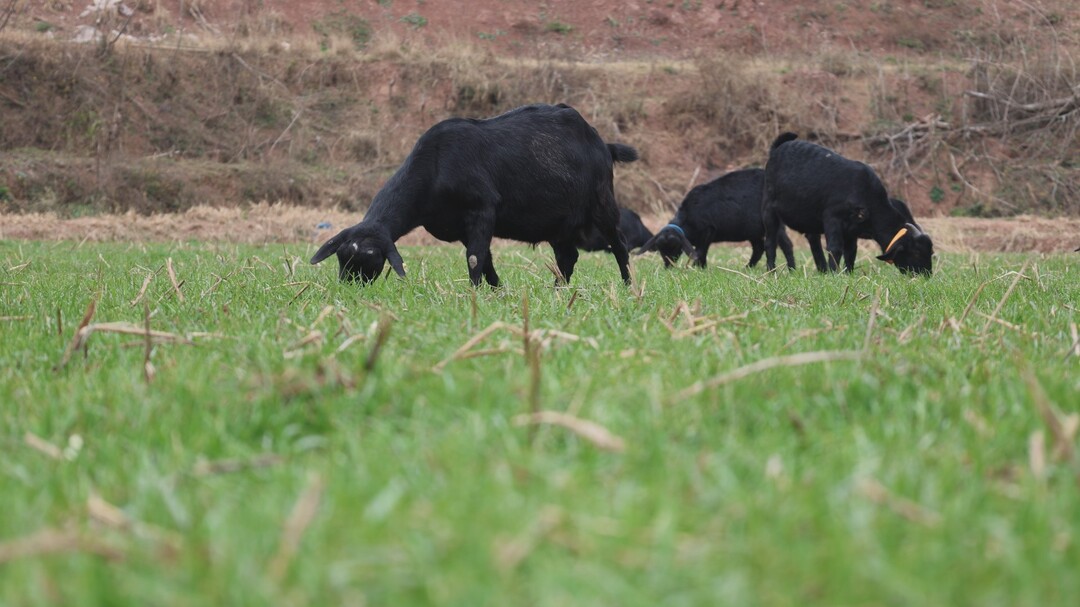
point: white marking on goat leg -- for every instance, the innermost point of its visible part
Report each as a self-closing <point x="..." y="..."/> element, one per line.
<point x="355" y="246"/>
<point x="472" y="262"/>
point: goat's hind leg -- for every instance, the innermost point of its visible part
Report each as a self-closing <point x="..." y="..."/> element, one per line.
<point x="772" y="226"/>
<point x="606" y="219"/>
<point x="757" y="250"/>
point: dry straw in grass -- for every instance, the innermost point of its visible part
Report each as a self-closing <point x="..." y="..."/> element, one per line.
<point x="292" y="532"/>
<point x="51" y="541"/>
<point x="793" y="360"/>
<point x="599" y="436"/>
<point x="909" y="510"/>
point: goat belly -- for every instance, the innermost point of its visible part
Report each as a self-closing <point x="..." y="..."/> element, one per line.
<point x="532" y="232"/>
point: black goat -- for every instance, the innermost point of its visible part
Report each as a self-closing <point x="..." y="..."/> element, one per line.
<point x="814" y="190"/>
<point x="633" y="232"/>
<point x="537" y="173"/>
<point x="726" y="209"/>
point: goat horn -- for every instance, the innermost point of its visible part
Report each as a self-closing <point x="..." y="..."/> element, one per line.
<point x="899" y="235"/>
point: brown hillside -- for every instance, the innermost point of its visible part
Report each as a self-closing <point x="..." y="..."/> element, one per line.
<point x="962" y="107"/>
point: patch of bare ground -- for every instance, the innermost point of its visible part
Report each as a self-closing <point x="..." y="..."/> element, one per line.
<point x="265" y="223"/>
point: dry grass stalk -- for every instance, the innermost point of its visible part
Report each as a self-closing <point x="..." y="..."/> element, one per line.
<point x="978" y="422"/>
<point x="349" y="341"/>
<point x="110" y="516"/>
<point x="77" y="339"/>
<point x="873" y="318"/>
<point x="1005" y="297"/>
<point x="301" y="517"/>
<point x="573" y="298"/>
<point x="172" y="278"/>
<point x="599" y="436"/>
<point x="912" y="511"/>
<point x="14" y="318"/>
<point x="229" y="466"/>
<point x="126" y="328"/>
<point x="1063" y="428"/>
<point x="974" y="298"/>
<point x="142" y="291"/>
<point x="1074" y="349"/>
<point x="148" y="367"/>
<point x="299" y="293"/>
<point x="296" y="347"/>
<point x="793" y="360"/>
<point x="56" y="541"/>
<point x="744" y="275"/>
<point x="382" y="334"/>
<point x="43" y="446"/>
<point x="471" y="343"/>
<point x="1037" y="454"/>
<point x="509" y="554"/>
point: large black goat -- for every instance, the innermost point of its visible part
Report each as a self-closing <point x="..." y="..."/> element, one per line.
<point x="537" y="173"/>
<point x="632" y="230"/>
<point x="726" y="209"/>
<point x="814" y="190"/>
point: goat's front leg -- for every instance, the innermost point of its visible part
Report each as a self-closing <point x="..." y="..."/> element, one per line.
<point x="701" y="253"/>
<point x="814" y="240"/>
<point x="479" y="229"/>
<point x="835" y="243"/>
<point x="851" y="247"/>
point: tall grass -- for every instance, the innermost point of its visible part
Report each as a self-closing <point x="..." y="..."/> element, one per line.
<point x="271" y="452"/>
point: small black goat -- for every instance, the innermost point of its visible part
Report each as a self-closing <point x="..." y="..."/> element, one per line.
<point x="537" y="173"/>
<point x="814" y="240"/>
<point x="814" y="190"/>
<point x="634" y="233"/>
<point x="726" y="209"/>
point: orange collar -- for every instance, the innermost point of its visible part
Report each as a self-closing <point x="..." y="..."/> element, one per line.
<point x="898" y="236"/>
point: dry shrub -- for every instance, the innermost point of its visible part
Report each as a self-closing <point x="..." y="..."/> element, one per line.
<point x="733" y="105"/>
<point x="1025" y="95"/>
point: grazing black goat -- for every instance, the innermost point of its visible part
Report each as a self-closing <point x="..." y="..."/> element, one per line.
<point x="633" y="232"/>
<point x="814" y="190"/>
<point x="726" y="209"/>
<point x="537" y="173"/>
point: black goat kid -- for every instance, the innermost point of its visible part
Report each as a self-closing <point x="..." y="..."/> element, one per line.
<point x="632" y="230"/>
<point x="726" y="209"/>
<point x="814" y="190"/>
<point x="814" y="240"/>
<point x="539" y="173"/>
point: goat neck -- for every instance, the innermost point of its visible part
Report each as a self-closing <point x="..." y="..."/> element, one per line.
<point x="886" y="224"/>
<point x="398" y="207"/>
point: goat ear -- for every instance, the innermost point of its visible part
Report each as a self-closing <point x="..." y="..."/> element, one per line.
<point x="688" y="248"/>
<point x="329" y="247"/>
<point x="650" y="245"/>
<point x="394" y="258"/>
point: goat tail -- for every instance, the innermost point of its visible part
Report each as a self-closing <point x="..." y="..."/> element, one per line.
<point x="782" y="139"/>
<point x="621" y="152"/>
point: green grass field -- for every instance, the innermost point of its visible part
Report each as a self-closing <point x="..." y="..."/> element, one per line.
<point x="297" y="441"/>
